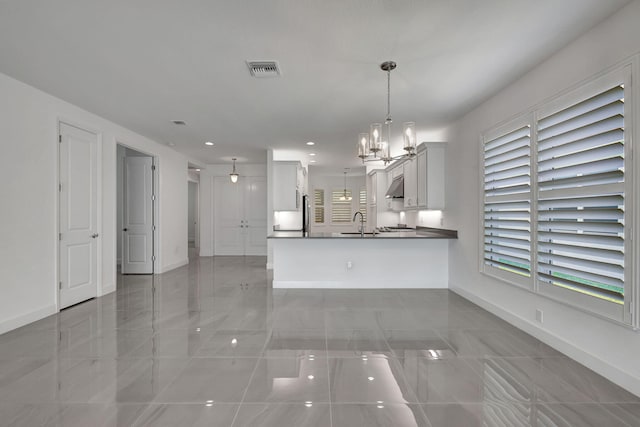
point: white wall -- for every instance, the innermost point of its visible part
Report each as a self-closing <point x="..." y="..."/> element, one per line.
<point x="28" y="184"/>
<point x="604" y="346"/>
<point x="208" y="198"/>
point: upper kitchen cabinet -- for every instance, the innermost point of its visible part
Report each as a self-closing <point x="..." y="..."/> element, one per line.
<point x="430" y="161"/>
<point x="377" y="186"/>
<point x="288" y="184"/>
<point x="410" y="183"/>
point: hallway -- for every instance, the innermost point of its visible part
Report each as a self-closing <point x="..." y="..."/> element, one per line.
<point x="212" y="344"/>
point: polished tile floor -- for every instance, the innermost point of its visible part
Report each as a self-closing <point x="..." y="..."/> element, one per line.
<point x="211" y="344"/>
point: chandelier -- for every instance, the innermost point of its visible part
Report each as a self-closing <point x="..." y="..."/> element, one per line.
<point x="373" y="146"/>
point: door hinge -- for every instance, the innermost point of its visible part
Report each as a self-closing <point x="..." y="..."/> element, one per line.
<point x="153" y="197"/>
<point x="60" y="285"/>
<point x="59" y="236"/>
<point x="153" y="167"/>
<point x="153" y="257"/>
<point x="59" y="138"/>
<point x="153" y="228"/>
<point x="60" y="187"/>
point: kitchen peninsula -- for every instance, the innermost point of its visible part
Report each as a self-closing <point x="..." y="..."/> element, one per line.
<point x="408" y="259"/>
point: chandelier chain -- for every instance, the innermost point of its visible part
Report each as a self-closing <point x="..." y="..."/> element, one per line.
<point x="388" y="120"/>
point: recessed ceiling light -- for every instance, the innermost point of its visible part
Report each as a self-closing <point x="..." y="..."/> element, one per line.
<point x="171" y="144"/>
<point x="208" y="143"/>
<point x="179" y="122"/>
<point x="312" y="154"/>
<point x="311" y="143"/>
<point x="197" y="170"/>
<point x="312" y="161"/>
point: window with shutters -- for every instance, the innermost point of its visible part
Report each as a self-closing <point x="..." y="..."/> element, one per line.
<point x="507" y="200"/>
<point x="318" y="206"/>
<point x="581" y="219"/>
<point x="341" y="206"/>
<point x="559" y="224"/>
<point x="363" y="203"/>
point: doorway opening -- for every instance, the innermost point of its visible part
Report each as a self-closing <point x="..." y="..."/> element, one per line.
<point x="193" y="211"/>
<point x="135" y="211"/>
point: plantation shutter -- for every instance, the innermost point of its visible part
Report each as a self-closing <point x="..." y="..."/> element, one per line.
<point x="507" y="200"/>
<point x="363" y="204"/>
<point x="340" y="209"/>
<point x="581" y="209"/>
<point x="318" y="206"/>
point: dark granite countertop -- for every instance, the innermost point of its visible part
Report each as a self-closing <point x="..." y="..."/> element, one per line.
<point x="418" y="233"/>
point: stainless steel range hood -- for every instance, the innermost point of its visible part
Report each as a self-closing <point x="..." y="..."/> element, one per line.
<point x="396" y="189"/>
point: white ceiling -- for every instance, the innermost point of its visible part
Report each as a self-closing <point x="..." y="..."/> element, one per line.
<point x="143" y="63"/>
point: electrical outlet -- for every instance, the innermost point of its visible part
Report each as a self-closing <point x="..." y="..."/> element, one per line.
<point x="539" y="316"/>
<point x="349" y="265"/>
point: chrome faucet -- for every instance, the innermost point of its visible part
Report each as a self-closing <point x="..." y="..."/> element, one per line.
<point x="361" y="222"/>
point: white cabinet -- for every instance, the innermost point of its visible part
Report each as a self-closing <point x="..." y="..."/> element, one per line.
<point x="287" y="184"/>
<point x="395" y="171"/>
<point x="430" y="161"/>
<point x="410" y="184"/>
<point x="377" y="186"/>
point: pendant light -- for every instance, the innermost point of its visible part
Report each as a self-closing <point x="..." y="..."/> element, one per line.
<point x="345" y="196"/>
<point x="373" y="146"/>
<point x="234" y="175"/>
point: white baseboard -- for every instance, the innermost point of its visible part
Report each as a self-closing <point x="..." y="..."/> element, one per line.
<point x="25" y="319"/>
<point x="592" y="362"/>
<point x="174" y="265"/>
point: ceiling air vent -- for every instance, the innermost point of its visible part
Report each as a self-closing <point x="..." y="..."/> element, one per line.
<point x="264" y="68"/>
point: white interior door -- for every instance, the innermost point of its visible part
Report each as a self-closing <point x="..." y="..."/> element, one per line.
<point x="78" y="216"/>
<point x="137" y="238"/>
<point x="255" y="214"/>
<point x="229" y="222"/>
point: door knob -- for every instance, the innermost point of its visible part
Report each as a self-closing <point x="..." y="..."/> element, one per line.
<point x="125" y="229"/>
<point x="95" y="235"/>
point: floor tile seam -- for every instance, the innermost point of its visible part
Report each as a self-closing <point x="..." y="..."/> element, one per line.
<point x="246" y="389"/>
<point x="607" y="410"/>
<point x="373" y="402"/>
<point x="537" y="401"/>
<point x="508" y="357"/>
<point x="285" y="402"/>
<point x="326" y="352"/>
<point x="244" y="394"/>
<point x="424" y="415"/>
<point x="172" y="380"/>
<point x="268" y="335"/>
<point x="402" y="373"/>
<point x="566" y="383"/>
